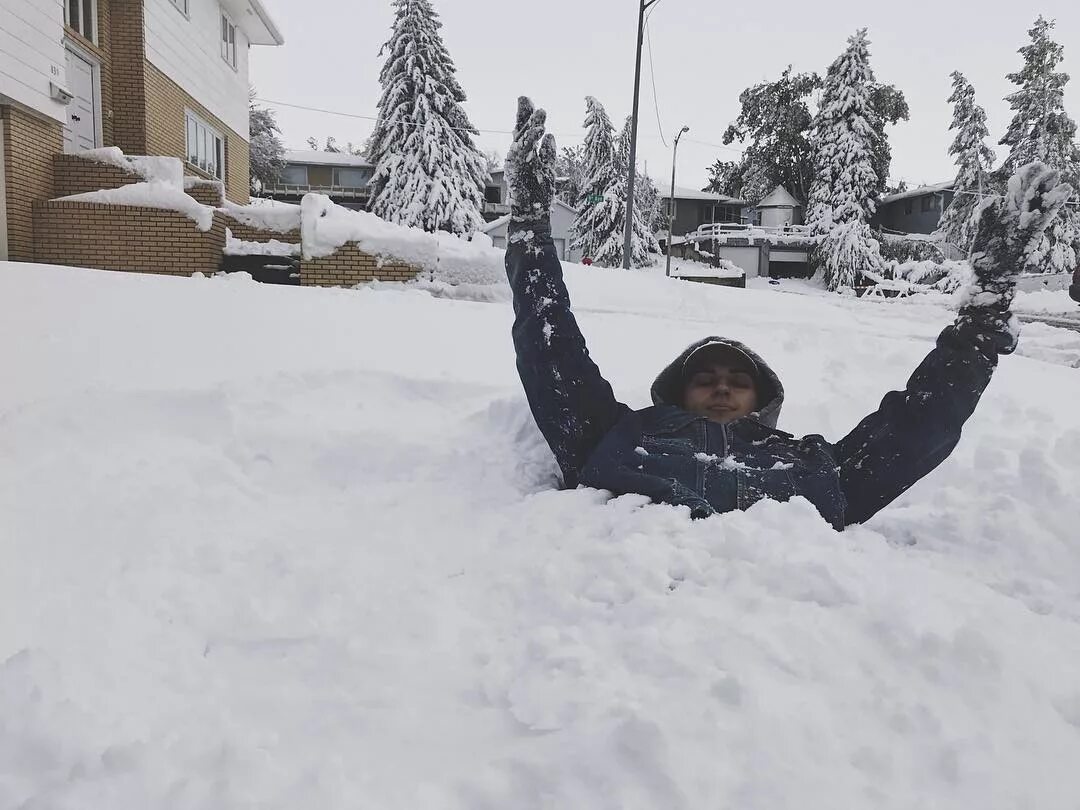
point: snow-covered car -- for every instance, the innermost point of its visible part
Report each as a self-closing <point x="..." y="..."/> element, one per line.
<point x="1074" y="290"/>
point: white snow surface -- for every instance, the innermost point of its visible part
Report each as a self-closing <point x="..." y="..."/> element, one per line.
<point x="152" y="168"/>
<point x="152" y="194"/>
<point x="271" y="247"/>
<point x="268" y="215"/>
<point x="286" y="547"/>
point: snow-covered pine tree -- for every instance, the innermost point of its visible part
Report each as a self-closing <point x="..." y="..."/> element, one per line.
<point x="1042" y="130"/>
<point x="598" y="220"/>
<point x="643" y="243"/>
<point x="428" y="172"/>
<point x="267" y="151"/>
<point x="974" y="160"/>
<point x="843" y="196"/>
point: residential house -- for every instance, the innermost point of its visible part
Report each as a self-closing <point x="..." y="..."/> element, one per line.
<point x="562" y="222"/>
<point x="339" y="175"/>
<point x="496" y="196"/>
<point x="152" y="77"/>
<point x="695" y="208"/>
<point x="916" y="211"/>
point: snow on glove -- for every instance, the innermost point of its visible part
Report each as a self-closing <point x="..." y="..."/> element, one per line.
<point x="1007" y="231"/>
<point x="530" y="165"/>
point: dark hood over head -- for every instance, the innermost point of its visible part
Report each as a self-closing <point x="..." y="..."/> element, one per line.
<point x="669" y="385"/>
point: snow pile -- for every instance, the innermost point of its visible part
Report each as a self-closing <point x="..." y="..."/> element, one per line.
<point x="152" y="194"/>
<point x="725" y="269"/>
<point x="450" y="259"/>
<point x="271" y="247"/>
<point x="279" y="217"/>
<point x="249" y="565"/>
<point x="152" y="168"/>
<point x="1046" y="302"/>
<point x="945" y="276"/>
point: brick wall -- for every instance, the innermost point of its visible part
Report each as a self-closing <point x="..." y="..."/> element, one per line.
<point x="128" y="81"/>
<point x="76" y="175"/>
<point x="123" y="237"/>
<point x="165" y="132"/>
<point x="103" y="50"/>
<point x="29" y="145"/>
<point x="208" y="192"/>
<point x="250" y="234"/>
<point x="349" y="265"/>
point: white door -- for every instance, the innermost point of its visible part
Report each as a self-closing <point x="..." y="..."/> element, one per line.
<point x="81" y="129"/>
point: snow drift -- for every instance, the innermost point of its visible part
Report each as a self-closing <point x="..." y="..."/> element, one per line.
<point x="271" y="547"/>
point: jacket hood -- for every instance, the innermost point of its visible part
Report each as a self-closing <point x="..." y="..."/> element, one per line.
<point x="668" y="387"/>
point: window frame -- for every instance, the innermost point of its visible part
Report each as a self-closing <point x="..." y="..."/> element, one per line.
<point x="209" y="140"/>
<point x="182" y="7"/>
<point x="85" y="7"/>
<point x="227" y="46"/>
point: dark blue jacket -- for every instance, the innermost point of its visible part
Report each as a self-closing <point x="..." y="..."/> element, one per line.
<point x="676" y="457"/>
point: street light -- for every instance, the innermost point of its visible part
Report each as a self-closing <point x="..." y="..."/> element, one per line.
<point x="628" y="227"/>
<point x="671" y="200"/>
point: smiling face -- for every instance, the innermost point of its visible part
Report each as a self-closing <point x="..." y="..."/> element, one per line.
<point x="721" y="387"/>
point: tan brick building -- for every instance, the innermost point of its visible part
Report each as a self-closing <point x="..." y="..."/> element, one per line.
<point x="153" y="77"/>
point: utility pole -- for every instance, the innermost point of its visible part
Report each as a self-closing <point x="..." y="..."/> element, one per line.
<point x="671" y="200"/>
<point x="628" y="227"/>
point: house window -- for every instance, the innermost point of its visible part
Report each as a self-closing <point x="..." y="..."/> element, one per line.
<point x="927" y="203"/>
<point x="181" y="5"/>
<point x="205" y="146"/>
<point x="907" y="206"/>
<point x="228" y="41"/>
<point x="493" y="194"/>
<point x="79" y="16"/>
<point x="293" y="176"/>
<point x="351" y="178"/>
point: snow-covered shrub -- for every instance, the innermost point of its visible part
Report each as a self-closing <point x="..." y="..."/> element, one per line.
<point x="903" y="249"/>
<point x="946" y="276"/>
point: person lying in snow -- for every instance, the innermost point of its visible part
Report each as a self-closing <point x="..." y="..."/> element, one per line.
<point x="710" y="440"/>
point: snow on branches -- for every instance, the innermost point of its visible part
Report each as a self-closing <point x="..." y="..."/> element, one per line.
<point x="428" y="172"/>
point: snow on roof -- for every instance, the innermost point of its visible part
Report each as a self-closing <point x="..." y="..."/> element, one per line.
<point x="779" y="197"/>
<point x="317" y="158"/>
<point x="684" y="193"/>
<point x="919" y="192"/>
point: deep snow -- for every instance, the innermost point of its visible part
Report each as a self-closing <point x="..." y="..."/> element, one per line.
<point x="278" y="547"/>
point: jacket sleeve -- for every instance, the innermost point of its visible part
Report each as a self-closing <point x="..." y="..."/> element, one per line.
<point x="914" y="430"/>
<point x="572" y="403"/>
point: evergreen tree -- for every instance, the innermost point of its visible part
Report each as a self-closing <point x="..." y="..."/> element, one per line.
<point x="428" y="172"/>
<point x="844" y="193"/>
<point x="653" y="208"/>
<point x="1042" y="130"/>
<point x="267" y="151"/>
<point x="974" y="160"/>
<point x="570" y="174"/>
<point x="598" y="221"/>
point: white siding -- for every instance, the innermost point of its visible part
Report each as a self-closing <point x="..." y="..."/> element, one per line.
<point x="188" y="51"/>
<point x="32" y="53"/>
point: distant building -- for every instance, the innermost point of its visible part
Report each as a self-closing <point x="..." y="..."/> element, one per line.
<point x="779" y="209"/>
<point x="916" y="211"/>
<point x="340" y="176"/>
<point x="562" y="220"/>
<point x="695" y="208"/>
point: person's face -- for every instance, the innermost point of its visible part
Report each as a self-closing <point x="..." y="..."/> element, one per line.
<point x="721" y="389"/>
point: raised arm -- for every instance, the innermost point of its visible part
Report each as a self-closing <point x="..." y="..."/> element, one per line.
<point x="572" y="403"/>
<point x="914" y="430"/>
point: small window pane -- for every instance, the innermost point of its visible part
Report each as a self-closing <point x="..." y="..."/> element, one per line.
<point x="354" y="178"/>
<point x="294" y="176"/>
<point x="320" y="176"/>
<point x="88" y="19"/>
<point x="73" y="16"/>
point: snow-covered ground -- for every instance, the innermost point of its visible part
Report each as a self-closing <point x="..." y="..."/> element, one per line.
<point x="278" y="547"/>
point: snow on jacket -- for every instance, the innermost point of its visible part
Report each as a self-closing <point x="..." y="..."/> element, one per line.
<point x="677" y="457"/>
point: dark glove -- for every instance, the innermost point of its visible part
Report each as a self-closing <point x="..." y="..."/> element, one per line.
<point x="530" y="166"/>
<point x="1007" y="231"/>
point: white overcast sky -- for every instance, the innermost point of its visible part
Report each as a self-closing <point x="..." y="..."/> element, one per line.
<point x="704" y="54"/>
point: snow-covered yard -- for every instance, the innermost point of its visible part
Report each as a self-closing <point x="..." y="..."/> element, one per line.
<point x="278" y="547"/>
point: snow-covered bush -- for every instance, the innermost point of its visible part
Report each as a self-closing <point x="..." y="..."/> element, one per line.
<point x="946" y="276"/>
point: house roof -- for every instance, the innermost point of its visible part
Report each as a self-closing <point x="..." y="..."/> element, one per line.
<point x="314" y="158"/>
<point x="921" y="191"/>
<point x="779" y="197"/>
<point x="255" y="21"/>
<point x="684" y="193"/>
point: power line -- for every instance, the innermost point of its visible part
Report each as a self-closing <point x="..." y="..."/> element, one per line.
<point x="652" y="81"/>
